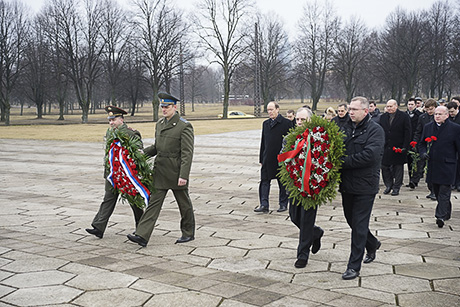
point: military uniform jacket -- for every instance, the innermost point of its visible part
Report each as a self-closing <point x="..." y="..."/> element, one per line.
<point x="173" y="149"/>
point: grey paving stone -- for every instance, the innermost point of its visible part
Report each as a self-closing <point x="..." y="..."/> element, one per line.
<point x="396" y="284"/>
<point x="112" y="297"/>
<point x="34" y="263"/>
<point x="428" y="271"/>
<point x="189" y="298"/>
<point x="235" y="264"/>
<point x="428" y="299"/>
<point x="257" y="297"/>
<point x="42" y="296"/>
<point x="102" y="280"/>
<point x="450" y="286"/>
<point x="37" y="279"/>
<point x="154" y="287"/>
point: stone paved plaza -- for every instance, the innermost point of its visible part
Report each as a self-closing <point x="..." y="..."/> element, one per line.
<point x="50" y="191"/>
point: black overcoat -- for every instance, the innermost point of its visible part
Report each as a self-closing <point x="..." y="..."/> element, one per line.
<point x="443" y="152"/>
<point x="398" y="135"/>
<point x="270" y="145"/>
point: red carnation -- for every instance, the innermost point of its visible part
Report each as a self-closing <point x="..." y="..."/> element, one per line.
<point x="303" y="194"/>
<point x="329" y="165"/>
<point x="315" y="129"/>
<point x="316" y="154"/>
<point x="324" y="147"/>
<point x="323" y="184"/>
<point x="321" y="129"/>
<point x="317" y="190"/>
<point x="298" y="136"/>
<point x="314" y="182"/>
<point x="413" y="144"/>
<point x="434" y="138"/>
<point x="325" y="176"/>
<point x="326" y="137"/>
<point x="321" y="160"/>
<point x="319" y="171"/>
<point x="428" y="140"/>
<point x="317" y="144"/>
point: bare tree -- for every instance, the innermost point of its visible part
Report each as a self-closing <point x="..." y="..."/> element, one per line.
<point x="115" y="31"/>
<point x="161" y="32"/>
<point x="274" y="57"/>
<point x="13" y="33"/>
<point x="82" y="46"/>
<point x="439" y="32"/>
<point x="220" y="26"/>
<point x="315" y="46"/>
<point x="352" y="50"/>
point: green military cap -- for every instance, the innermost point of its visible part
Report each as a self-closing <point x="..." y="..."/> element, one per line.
<point x="167" y="99"/>
<point x="113" y="112"/>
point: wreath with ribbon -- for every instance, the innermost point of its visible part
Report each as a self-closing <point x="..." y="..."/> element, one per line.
<point x="310" y="162"/>
<point x="130" y="174"/>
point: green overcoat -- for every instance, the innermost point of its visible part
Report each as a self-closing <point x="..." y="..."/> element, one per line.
<point x="173" y="149"/>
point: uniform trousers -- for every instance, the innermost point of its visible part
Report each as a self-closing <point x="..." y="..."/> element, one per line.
<point x="149" y="218"/>
<point x="393" y="175"/>
<point x="357" y="210"/>
<point x="264" y="193"/>
<point x="444" y="207"/>
<point x="107" y="206"/>
<point x="308" y="231"/>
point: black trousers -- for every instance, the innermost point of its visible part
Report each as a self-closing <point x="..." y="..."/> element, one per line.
<point x="416" y="175"/>
<point x="357" y="210"/>
<point x="305" y="221"/>
<point x="444" y="207"/>
<point x="264" y="193"/>
<point x="393" y="175"/>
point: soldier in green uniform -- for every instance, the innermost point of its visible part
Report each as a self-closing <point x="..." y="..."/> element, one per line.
<point x="173" y="148"/>
<point x="99" y="224"/>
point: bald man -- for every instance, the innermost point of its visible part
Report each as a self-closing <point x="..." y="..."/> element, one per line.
<point x="441" y="154"/>
<point x="398" y="133"/>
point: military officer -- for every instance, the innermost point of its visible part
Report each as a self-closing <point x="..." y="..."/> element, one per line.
<point x="173" y="149"/>
<point x="99" y="224"/>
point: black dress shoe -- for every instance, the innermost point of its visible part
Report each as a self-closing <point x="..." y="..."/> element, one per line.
<point x="316" y="245"/>
<point x="370" y="256"/>
<point x="431" y="196"/>
<point x="261" y="209"/>
<point x="387" y="191"/>
<point x="440" y="223"/>
<point x="282" y="209"/>
<point x="300" y="263"/>
<point x="185" y="239"/>
<point x="350" y="274"/>
<point x="395" y="192"/>
<point x="95" y="231"/>
<point x="137" y="239"/>
<point x="412" y="185"/>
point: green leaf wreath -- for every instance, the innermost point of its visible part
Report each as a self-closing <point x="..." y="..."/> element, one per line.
<point x="137" y="161"/>
<point x="325" y="141"/>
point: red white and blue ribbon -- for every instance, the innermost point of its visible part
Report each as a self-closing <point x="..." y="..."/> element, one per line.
<point x="122" y="159"/>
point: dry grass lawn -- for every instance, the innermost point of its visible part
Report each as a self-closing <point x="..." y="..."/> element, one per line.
<point x="204" y="120"/>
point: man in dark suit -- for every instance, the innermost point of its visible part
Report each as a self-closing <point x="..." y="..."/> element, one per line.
<point x="454" y="116"/>
<point x="342" y="115"/>
<point x="414" y="114"/>
<point x="360" y="182"/>
<point x="440" y="145"/>
<point x="396" y="125"/>
<point x="273" y="130"/>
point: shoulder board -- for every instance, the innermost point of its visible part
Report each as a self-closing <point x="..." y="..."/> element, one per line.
<point x="183" y="119"/>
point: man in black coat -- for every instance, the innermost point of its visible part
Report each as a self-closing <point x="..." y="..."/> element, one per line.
<point x="342" y="115"/>
<point x="414" y="114"/>
<point x="374" y="112"/>
<point x="396" y="125"/>
<point x="440" y="145"/>
<point x="273" y="131"/>
<point x="425" y="118"/>
<point x="454" y="116"/>
<point x="360" y="176"/>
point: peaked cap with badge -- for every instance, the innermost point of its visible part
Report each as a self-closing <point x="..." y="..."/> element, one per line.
<point x="167" y="99"/>
<point x="113" y="112"/>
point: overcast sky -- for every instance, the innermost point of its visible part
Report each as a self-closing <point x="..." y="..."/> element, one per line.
<point x="372" y="12"/>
